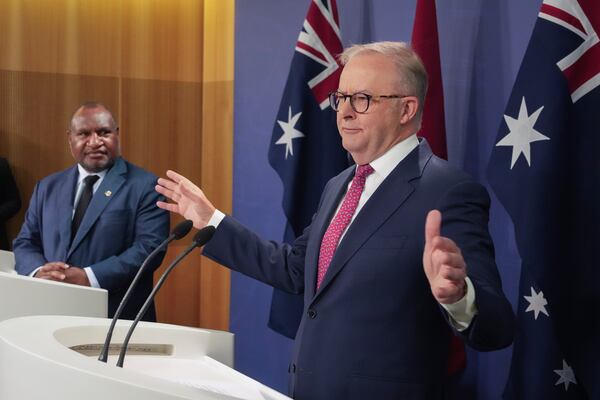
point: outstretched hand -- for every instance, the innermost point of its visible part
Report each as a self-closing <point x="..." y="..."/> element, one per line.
<point x="188" y="200"/>
<point x="443" y="262"/>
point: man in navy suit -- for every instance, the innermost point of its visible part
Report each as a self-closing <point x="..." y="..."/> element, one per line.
<point x="103" y="242"/>
<point x="412" y="262"/>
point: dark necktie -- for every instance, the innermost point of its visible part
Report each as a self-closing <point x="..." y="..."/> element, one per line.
<point x="83" y="203"/>
<point x="341" y="220"/>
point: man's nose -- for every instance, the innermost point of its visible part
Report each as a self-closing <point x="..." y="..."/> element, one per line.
<point x="94" y="139"/>
<point x="345" y="108"/>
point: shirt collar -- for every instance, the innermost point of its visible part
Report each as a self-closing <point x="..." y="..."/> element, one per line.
<point x="83" y="173"/>
<point x="385" y="164"/>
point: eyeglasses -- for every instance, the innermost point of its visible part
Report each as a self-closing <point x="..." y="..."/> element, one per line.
<point x="359" y="102"/>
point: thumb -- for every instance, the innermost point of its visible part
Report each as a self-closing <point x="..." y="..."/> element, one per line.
<point x="432" y="225"/>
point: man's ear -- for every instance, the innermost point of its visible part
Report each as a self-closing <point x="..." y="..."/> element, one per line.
<point x="409" y="107"/>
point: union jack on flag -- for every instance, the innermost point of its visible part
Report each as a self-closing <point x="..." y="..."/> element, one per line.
<point x="545" y="171"/>
<point x="306" y="149"/>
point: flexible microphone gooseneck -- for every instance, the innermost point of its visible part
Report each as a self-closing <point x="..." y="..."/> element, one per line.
<point x="177" y="233"/>
<point x="200" y="239"/>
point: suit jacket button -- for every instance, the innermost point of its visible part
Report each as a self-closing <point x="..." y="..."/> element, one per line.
<point x="292" y="368"/>
<point x="312" y="314"/>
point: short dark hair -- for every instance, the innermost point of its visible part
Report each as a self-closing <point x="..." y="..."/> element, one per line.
<point x="92" y="104"/>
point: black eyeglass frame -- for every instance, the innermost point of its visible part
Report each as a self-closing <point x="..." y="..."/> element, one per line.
<point x="336" y="97"/>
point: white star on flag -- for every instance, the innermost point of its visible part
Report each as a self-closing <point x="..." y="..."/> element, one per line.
<point x="521" y="133"/>
<point x="289" y="132"/>
<point x="537" y="303"/>
<point x="566" y="376"/>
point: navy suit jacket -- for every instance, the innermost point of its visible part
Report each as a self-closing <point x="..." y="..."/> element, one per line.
<point x="121" y="226"/>
<point x="373" y="329"/>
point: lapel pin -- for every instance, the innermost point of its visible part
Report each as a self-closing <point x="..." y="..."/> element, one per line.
<point x="108" y="193"/>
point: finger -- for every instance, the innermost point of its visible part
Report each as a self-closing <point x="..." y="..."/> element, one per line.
<point x="455" y="275"/>
<point x="175" y="176"/>
<point x="164" y="191"/>
<point x="167" y="183"/>
<point x="50" y="267"/>
<point x="57" y="275"/>
<point x="444" y="244"/>
<point x="433" y="225"/>
<point x="61" y="265"/>
<point x="451" y="259"/>
<point x="167" y="206"/>
<point x="448" y="294"/>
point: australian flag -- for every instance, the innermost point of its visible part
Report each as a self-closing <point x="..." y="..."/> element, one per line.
<point x="545" y="169"/>
<point x="306" y="149"/>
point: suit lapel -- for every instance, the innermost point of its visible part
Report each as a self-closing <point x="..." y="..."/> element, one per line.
<point x="110" y="185"/>
<point x="388" y="197"/>
<point x="66" y="209"/>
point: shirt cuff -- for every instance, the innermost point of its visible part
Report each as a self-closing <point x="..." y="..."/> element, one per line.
<point x="463" y="311"/>
<point x="91" y="277"/>
<point x="216" y="218"/>
<point x="32" y="274"/>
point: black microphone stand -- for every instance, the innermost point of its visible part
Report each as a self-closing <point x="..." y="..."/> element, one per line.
<point x="200" y="239"/>
<point x="178" y="232"/>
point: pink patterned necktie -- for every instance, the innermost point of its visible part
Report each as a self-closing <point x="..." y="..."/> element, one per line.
<point x="341" y="220"/>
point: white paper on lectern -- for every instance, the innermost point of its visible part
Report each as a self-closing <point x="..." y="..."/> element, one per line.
<point x="204" y="373"/>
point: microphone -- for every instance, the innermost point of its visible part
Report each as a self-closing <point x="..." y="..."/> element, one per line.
<point x="200" y="239"/>
<point x="177" y="233"/>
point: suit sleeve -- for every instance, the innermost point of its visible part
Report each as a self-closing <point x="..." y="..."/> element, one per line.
<point x="465" y="216"/>
<point x="277" y="264"/>
<point x="151" y="227"/>
<point x="28" y="249"/>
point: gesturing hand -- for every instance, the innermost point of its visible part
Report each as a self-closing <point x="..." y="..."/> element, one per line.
<point x="188" y="199"/>
<point x="443" y="262"/>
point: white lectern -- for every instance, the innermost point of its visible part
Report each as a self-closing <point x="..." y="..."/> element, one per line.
<point x="55" y="357"/>
<point x="22" y="295"/>
<point x="7" y="262"/>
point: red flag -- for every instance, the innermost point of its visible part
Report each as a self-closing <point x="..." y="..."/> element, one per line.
<point x="426" y="45"/>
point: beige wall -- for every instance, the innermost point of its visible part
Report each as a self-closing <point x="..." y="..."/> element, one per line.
<point x="154" y="62"/>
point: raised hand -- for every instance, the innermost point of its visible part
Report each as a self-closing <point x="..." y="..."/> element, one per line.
<point x="188" y="200"/>
<point x="443" y="262"/>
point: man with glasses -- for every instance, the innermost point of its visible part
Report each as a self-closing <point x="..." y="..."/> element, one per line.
<point x="94" y="223"/>
<point x="397" y="259"/>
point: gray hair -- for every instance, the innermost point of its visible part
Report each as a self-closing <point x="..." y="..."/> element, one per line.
<point x="411" y="71"/>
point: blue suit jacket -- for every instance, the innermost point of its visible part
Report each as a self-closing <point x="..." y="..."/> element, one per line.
<point x="121" y="226"/>
<point x="373" y="329"/>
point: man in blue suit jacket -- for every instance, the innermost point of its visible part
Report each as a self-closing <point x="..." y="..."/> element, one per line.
<point x="120" y="226"/>
<point x="378" y="320"/>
